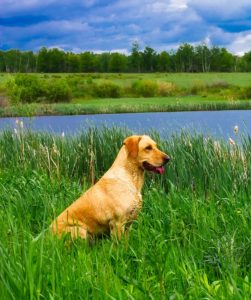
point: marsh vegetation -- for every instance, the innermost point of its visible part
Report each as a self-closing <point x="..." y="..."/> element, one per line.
<point x="191" y="240"/>
<point x="58" y="94"/>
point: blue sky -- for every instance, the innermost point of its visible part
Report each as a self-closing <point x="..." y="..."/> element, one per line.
<point x="109" y="25"/>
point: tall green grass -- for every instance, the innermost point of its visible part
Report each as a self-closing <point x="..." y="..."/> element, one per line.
<point x="191" y="241"/>
<point x="127" y="105"/>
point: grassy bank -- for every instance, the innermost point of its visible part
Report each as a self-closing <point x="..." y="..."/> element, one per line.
<point x="125" y="105"/>
<point x="191" y="241"/>
<point x="180" y="79"/>
<point x="55" y="94"/>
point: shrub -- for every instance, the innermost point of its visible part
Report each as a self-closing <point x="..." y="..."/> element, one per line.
<point x="218" y="84"/>
<point x="197" y="86"/>
<point x="25" y="88"/>
<point x="3" y="101"/>
<point x="89" y="80"/>
<point x="232" y="93"/>
<point x="2" y="88"/>
<point x="73" y="81"/>
<point x="245" y="93"/>
<point x="107" y="89"/>
<point x="166" y="88"/>
<point x="80" y="86"/>
<point x="56" y="76"/>
<point x="145" y="88"/>
<point x="57" y="91"/>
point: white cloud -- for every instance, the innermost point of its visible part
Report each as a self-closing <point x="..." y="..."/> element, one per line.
<point x="221" y="9"/>
<point x="178" y="4"/>
<point x="163" y="7"/>
<point x="122" y="51"/>
<point x="241" y="44"/>
<point x="162" y="24"/>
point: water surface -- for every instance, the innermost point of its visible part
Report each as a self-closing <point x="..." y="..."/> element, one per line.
<point x="216" y="123"/>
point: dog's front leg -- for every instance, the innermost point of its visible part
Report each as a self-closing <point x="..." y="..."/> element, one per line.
<point x="77" y="231"/>
<point x="117" y="228"/>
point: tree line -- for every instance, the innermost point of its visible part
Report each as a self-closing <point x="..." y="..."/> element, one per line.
<point x="187" y="58"/>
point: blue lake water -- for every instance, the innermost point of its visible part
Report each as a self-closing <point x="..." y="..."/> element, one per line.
<point x="216" y="123"/>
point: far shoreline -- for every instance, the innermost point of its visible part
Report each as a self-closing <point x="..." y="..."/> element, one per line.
<point x="120" y="106"/>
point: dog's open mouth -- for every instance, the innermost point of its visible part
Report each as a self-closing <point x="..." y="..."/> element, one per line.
<point x="149" y="167"/>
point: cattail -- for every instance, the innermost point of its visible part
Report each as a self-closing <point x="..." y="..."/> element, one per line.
<point x="231" y="141"/>
<point x="217" y="146"/>
<point x="54" y="149"/>
<point x="236" y="129"/>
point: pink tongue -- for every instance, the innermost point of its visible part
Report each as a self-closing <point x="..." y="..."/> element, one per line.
<point x="160" y="170"/>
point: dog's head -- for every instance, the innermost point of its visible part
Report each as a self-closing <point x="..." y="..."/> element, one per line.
<point x="143" y="150"/>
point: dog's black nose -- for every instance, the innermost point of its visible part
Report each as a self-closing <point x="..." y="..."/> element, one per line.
<point x="166" y="159"/>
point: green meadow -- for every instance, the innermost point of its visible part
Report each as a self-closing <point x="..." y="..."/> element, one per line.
<point x="57" y="94"/>
<point x="191" y="241"/>
<point x="180" y="79"/>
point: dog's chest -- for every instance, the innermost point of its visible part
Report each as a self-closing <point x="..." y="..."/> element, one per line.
<point x="135" y="207"/>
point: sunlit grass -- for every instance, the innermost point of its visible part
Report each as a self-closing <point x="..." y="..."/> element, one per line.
<point x="125" y="105"/>
<point x="192" y="239"/>
<point x="121" y="93"/>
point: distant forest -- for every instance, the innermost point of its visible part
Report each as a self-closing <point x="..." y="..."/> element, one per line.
<point x="187" y="58"/>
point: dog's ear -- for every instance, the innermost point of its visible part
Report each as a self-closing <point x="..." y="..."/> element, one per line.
<point x="132" y="145"/>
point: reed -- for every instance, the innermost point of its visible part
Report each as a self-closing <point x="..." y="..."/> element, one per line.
<point x="191" y="240"/>
<point x="126" y="105"/>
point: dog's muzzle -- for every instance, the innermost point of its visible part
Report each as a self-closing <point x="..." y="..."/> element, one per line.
<point x="156" y="169"/>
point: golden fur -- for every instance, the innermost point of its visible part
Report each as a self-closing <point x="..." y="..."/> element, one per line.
<point x="115" y="199"/>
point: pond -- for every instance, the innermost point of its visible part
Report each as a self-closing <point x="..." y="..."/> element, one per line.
<point x="216" y="123"/>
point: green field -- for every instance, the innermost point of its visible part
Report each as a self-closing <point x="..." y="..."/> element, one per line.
<point x="181" y="79"/>
<point x="55" y="94"/>
<point x="185" y="80"/>
<point x="191" y="241"/>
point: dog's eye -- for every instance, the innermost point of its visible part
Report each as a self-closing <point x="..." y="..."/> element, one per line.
<point x="148" y="148"/>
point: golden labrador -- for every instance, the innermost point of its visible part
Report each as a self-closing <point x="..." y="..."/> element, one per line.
<point x="115" y="199"/>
